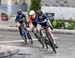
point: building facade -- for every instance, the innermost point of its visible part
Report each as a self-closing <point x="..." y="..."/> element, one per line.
<point x="59" y="3"/>
<point x="12" y="6"/>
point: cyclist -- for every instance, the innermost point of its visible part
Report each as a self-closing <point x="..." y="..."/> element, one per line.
<point x="19" y="21"/>
<point x="42" y="21"/>
<point x="19" y="16"/>
<point x="32" y="23"/>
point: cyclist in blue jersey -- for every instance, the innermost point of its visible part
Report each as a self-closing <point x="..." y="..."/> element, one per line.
<point x="42" y="21"/>
<point x="19" y="16"/>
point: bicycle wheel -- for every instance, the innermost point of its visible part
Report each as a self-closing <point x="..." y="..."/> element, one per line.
<point x="40" y="39"/>
<point x="51" y="43"/>
<point x="25" y="40"/>
<point x="24" y="35"/>
<point x="43" y="37"/>
<point x="29" y="37"/>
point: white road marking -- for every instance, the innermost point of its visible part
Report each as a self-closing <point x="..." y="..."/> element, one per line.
<point x="56" y="37"/>
<point x="1" y="35"/>
<point x="13" y="41"/>
<point x="20" y="40"/>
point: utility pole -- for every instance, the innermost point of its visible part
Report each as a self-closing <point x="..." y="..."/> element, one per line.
<point x="9" y="6"/>
<point x="70" y="3"/>
<point x="0" y="2"/>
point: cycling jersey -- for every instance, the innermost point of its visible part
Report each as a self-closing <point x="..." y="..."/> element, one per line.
<point x="43" y="21"/>
<point x="33" y="21"/>
<point x="19" y="18"/>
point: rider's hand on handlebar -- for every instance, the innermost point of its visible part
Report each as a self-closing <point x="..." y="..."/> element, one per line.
<point x="28" y="20"/>
<point x="51" y="28"/>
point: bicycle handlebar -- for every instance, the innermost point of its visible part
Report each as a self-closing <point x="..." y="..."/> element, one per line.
<point x="22" y="19"/>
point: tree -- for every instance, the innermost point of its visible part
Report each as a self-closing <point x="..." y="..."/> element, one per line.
<point x="35" y="5"/>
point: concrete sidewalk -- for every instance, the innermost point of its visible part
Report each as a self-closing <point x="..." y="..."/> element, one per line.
<point x="11" y="26"/>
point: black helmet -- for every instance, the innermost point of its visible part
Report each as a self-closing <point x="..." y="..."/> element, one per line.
<point x="39" y="13"/>
<point x="19" y="12"/>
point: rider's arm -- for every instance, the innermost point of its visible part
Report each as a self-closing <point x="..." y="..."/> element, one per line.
<point x="45" y="18"/>
<point x="24" y="17"/>
<point x="37" y="20"/>
<point x="16" y="19"/>
<point x="28" y="20"/>
<point x="49" y="22"/>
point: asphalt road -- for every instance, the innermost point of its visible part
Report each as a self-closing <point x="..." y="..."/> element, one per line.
<point x="66" y="43"/>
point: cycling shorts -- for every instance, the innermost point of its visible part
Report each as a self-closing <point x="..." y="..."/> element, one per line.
<point x="44" y="24"/>
<point x="34" y="24"/>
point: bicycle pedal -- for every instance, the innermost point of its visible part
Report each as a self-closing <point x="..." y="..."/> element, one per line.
<point x="55" y="46"/>
<point x="31" y="42"/>
<point x="55" y="52"/>
<point x="42" y="45"/>
<point x="46" y="46"/>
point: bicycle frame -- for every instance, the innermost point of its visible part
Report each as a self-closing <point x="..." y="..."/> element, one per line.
<point x="44" y="37"/>
<point x="49" y="40"/>
<point x="24" y="32"/>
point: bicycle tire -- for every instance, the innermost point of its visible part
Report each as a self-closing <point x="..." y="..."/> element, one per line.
<point x="30" y="38"/>
<point x="44" y="39"/>
<point x="24" y="35"/>
<point x="25" y="40"/>
<point x="51" y="43"/>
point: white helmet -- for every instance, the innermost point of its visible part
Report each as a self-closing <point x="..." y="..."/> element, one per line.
<point x="32" y="12"/>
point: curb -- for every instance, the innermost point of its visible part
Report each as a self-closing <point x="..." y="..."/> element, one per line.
<point x="63" y="32"/>
<point x="56" y="31"/>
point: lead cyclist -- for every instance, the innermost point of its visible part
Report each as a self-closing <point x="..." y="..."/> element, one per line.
<point x="42" y="20"/>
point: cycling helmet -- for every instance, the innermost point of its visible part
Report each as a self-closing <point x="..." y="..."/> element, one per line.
<point x="32" y="12"/>
<point x="39" y="13"/>
<point x="19" y="12"/>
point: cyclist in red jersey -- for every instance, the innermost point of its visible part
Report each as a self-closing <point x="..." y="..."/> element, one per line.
<point x="32" y="19"/>
<point x="32" y="23"/>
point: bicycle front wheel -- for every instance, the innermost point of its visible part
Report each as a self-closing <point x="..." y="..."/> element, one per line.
<point x="51" y="42"/>
<point x="24" y="35"/>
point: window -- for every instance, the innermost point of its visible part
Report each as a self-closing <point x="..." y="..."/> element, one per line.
<point x="19" y="1"/>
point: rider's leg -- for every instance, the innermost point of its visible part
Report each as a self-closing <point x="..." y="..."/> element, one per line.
<point x="38" y="34"/>
<point x="31" y="26"/>
<point x="50" y="31"/>
<point x="38" y="30"/>
<point x="32" y="29"/>
<point x="20" y="30"/>
<point x="19" y="27"/>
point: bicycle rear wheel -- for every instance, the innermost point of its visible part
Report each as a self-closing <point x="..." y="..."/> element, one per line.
<point x="43" y="37"/>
